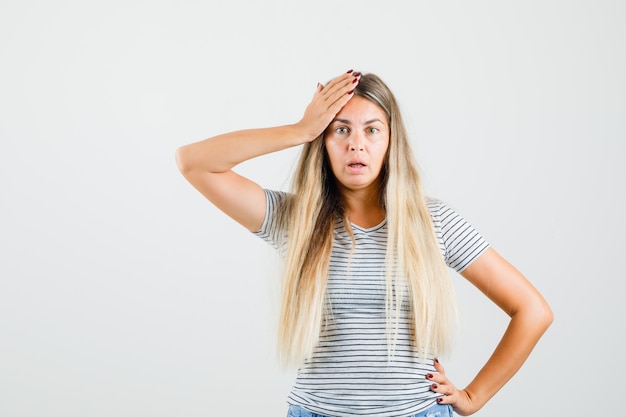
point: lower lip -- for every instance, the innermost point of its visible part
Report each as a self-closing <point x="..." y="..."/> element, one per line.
<point x="356" y="169"/>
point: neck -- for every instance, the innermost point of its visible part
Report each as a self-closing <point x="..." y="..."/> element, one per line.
<point x="363" y="208"/>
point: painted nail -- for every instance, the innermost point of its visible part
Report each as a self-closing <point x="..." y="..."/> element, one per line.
<point x="350" y="92"/>
<point x="349" y="71"/>
<point x="436" y="360"/>
<point x="355" y="80"/>
<point x="434" y="386"/>
<point x="429" y="376"/>
<point x="439" y="400"/>
<point x="357" y="74"/>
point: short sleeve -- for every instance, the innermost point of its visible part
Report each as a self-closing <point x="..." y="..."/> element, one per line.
<point x="459" y="241"/>
<point x="270" y="231"/>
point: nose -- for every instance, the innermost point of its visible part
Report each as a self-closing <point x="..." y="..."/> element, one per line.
<point x="355" y="143"/>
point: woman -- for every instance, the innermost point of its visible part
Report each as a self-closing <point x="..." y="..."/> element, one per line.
<point x="367" y="303"/>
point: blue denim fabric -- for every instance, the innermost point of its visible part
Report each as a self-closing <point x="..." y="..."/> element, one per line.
<point x="437" y="410"/>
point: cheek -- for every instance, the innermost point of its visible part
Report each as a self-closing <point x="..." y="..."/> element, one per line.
<point x="332" y="150"/>
<point x="381" y="153"/>
<point x="329" y="160"/>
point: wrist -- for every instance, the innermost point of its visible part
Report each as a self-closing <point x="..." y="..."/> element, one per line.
<point x="303" y="134"/>
<point x="474" y="400"/>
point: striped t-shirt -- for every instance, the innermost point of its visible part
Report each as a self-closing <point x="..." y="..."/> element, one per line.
<point x="350" y="373"/>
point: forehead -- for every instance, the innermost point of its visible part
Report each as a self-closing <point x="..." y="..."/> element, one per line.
<point x="361" y="110"/>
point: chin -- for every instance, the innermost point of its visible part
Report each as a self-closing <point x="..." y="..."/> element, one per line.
<point x="356" y="186"/>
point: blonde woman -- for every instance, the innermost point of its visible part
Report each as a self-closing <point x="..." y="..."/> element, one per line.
<point x="367" y="303"/>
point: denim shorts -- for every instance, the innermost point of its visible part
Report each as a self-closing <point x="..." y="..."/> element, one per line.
<point x="437" y="410"/>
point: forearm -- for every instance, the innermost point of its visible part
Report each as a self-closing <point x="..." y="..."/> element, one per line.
<point x="223" y="152"/>
<point x="522" y="334"/>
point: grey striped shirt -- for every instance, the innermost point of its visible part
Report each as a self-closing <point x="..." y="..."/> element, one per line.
<point x="349" y="373"/>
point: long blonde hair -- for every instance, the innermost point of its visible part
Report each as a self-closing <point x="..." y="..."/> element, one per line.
<point x="414" y="266"/>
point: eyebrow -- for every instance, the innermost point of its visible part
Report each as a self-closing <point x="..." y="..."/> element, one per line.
<point x="347" y="122"/>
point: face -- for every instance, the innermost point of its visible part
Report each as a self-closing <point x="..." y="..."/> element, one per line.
<point x="357" y="142"/>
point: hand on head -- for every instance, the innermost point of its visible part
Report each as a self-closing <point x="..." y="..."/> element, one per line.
<point x="327" y="101"/>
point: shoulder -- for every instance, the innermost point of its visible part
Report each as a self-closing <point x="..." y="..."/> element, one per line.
<point x="275" y="197"/>
<point x="276" y="194"/>
<point x="433" y="204"/>
<point x="461" y="242"/>
<point x="444" y="216"/>
<point x="272" y="230"/>
<point x="439" y="210"/>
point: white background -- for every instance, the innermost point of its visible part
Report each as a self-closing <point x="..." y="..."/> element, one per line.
<point x="124" y="293"/>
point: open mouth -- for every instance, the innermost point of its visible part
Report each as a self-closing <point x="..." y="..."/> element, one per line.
<point x="356" y="165"/>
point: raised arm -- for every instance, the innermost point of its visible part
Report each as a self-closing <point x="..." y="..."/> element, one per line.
<point x="208" y="164"/>
<point x="530" y="317"/>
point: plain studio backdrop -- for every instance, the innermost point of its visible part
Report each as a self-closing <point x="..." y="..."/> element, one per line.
<point x="124" y="293"/>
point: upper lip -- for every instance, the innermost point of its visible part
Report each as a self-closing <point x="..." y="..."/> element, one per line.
<point x="356" y="161"/>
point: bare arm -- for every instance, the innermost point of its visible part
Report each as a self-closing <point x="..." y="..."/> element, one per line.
<point x="530" y="317"/>
<point x="208" y="164"/>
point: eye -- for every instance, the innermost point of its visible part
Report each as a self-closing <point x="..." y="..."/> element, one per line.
<point x="342" y="130"/>
<point x="373" y="130"/>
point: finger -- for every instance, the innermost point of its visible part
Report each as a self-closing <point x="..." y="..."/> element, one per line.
<point x="341" y="79"/>
<point x="325" y="97"/>
<point x="438" y="366"/>
<point x="445" y="389"/>
<point x="342" y="95"/>
<point x="338" y="87"/>
<point x="446" y="399"/>
<point x="438" y="377"/>
<point x="448" y="393"/>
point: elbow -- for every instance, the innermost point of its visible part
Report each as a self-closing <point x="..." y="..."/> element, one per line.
<point x="543" y="315"/>
<point x="183" y="160"/>
<point x="549" y="316"/>
<point x="536" y="313"/>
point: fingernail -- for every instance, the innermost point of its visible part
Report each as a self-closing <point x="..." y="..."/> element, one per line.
<point x="355" y="80"/>
<point x="357" y="74"/>
<point x="434" y="386"/>
<point x="349" y="71"/>
<point x="439" y="400"/>
<point x="429" y="376"/>
<point x="350" y="92"/>
<point x="436" y="360"/>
